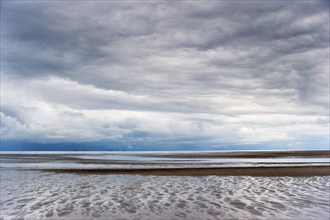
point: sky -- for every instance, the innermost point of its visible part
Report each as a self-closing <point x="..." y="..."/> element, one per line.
<point x="164" y="75"/>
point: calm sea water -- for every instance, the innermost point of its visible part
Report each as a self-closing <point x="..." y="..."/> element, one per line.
<point x="81" y="160"/>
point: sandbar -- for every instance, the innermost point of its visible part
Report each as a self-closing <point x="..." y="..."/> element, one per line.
<point x="223" y="171"/>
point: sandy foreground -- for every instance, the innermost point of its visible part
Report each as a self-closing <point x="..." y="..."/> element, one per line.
<point x="70" y="196"/>
<point x="165" y="186"/>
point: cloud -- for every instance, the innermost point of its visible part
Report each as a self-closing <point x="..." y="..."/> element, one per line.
<point x="165" y="73"/>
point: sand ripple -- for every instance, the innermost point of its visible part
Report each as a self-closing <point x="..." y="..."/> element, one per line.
<point x="37" y="195"/>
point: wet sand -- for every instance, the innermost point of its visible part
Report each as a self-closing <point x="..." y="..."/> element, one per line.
<point x="175" y="185"/>
<point x="228" y="171"/>
<point x="41" y="195"/>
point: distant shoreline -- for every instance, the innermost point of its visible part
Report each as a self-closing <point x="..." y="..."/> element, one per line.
<point x="223" y="171"/>
<point x="206" y="154"/>
<point x="250" y="154"/>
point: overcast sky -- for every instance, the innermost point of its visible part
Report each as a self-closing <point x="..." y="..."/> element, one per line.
<point x="166" y="73"/>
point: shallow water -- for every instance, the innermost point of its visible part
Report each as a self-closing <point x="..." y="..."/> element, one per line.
<point x="94" y="160"/>
<point x="41" y="195"/>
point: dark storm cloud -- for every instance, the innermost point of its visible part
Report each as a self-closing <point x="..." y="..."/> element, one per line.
<point x="67" y="34"/>
<point x="237" y="63"/>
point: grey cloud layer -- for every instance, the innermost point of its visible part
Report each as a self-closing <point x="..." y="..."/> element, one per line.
<point x="167" y="60"/>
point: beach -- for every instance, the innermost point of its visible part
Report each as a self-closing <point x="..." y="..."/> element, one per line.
<point x="164" y="185"/>
<point x="165" y="110"/>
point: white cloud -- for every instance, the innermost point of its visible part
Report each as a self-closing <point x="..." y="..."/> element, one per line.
<point x="217" y="74"/>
